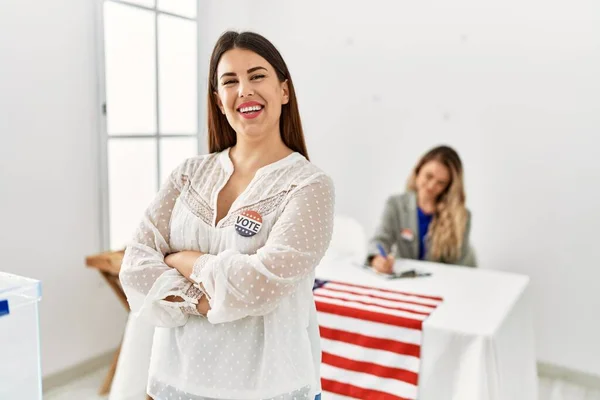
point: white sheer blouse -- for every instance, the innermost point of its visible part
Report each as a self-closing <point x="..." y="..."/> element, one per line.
<point x="260" y="340"/>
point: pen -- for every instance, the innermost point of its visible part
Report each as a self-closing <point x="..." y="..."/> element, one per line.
<point x="381" y="250"/>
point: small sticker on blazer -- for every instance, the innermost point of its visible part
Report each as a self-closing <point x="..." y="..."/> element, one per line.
<point x="407" y="234"/>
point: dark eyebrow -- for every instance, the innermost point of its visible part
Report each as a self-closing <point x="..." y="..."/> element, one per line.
<point x="228" y="74"/>
<point x="251" y="70"/>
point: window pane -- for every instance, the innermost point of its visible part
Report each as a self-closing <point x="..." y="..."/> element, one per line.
<point x="173" y="151"/>
<point x="132" y="181"/>
<point x="145" y="3"/>
<point x="186" y="8"/>
<point x="130" y="53"/>
<point x="178" y="92"/>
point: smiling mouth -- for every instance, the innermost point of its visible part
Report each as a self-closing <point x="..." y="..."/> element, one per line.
<point x="250" y="109"/>
<point x="251" y="112"/>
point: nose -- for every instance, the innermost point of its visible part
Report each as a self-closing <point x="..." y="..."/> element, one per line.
<point x="245" y="89"/>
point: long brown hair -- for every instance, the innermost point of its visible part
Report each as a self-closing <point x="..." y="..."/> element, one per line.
<point x="220" y="134"/>
<point x="447" y="229"/>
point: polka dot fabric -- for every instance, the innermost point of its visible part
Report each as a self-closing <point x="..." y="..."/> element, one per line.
<point x="260" y="339"/>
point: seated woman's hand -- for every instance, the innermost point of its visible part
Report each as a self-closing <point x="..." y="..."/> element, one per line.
<point x="384" y="265"/>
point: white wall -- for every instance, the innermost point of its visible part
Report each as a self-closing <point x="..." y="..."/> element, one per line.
<point x="513" y="85"/>
<point x="49" y="198"/>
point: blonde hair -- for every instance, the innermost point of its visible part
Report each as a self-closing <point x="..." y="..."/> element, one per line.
<point x="446" y="231"/>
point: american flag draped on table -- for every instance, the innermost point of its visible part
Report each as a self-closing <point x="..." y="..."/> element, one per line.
<point x="371" y="339"/>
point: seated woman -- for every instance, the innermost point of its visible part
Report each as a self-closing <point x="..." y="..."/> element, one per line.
<point x="429" y="221"/>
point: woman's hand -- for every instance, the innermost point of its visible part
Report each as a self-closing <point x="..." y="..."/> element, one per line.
<point x="183" y="261"/>
<point x="385" y="265"/>
<point x="203" y="307"/>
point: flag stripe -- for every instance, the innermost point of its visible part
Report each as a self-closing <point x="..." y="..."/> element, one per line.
<point x="375" y="329"/>
<point x="368" y="381"/>
<point x="377" y="294"/>
<point x="370" y="300"/>
<point x="368" y="315"/>
<point x="374" y="369"/>
<point x="394" y="346"/>
<point x="436" y="298"/>
<point x="364" y="354"/>
<point x="355" y="392"/>
<point x="375" y="308"/>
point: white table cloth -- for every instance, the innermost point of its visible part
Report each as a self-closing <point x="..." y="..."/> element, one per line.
<point x="478" y="345"/>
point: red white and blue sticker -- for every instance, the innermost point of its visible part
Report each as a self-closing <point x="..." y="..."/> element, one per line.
<point x="248" y="223"/>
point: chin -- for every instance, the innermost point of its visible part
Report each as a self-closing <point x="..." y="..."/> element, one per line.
<point x="424" y="196"/>
<point x="252" y="135"/>
<point x="252" y="132"/>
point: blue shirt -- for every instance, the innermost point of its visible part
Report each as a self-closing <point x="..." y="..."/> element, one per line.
<point x="424" y="221"/>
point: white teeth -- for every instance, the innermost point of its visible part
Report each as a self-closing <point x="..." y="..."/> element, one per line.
<point x="250" y="109"/>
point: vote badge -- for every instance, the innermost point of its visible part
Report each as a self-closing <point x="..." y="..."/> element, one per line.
<point x="248" y="223"/>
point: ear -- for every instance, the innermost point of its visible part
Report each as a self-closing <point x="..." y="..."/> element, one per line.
<point x="219" y="102"/>
<point x="285" y="92"/>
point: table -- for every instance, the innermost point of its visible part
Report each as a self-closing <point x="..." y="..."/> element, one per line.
<point x="479" y="344"/>
<point x="109" y="265"/>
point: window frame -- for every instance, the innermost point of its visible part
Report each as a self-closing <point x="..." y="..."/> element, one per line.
<point x="103" y="136"/>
